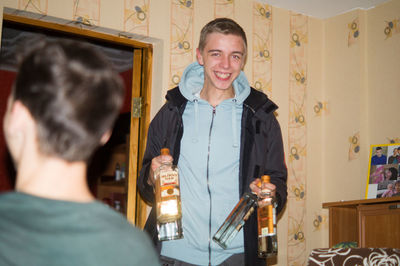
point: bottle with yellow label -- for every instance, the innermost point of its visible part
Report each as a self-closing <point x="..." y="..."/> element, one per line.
<point x="168" y="200"/>
<point x="266" y="217"/>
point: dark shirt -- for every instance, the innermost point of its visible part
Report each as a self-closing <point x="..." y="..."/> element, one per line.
<point x="378" y="160"/>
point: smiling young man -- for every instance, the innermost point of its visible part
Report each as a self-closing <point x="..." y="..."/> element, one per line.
<point x="223" y="136"/>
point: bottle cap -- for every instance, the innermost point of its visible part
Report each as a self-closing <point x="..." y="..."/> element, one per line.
<point x="266" y="178"/>
<point x="164" y="151"/>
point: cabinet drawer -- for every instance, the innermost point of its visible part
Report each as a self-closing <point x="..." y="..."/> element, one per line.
<point x="379" y="225"/>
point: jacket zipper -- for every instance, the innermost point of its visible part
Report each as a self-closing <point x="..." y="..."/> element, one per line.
<point x="208" y="186"/>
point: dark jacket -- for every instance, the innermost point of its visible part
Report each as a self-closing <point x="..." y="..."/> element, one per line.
<point x="261" y="152"/>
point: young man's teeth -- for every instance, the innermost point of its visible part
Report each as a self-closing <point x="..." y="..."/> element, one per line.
<point x="222" y="75"/>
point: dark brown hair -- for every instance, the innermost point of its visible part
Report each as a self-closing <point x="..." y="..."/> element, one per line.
<point x="73" y="94"/>
<point x="224" y="26"/>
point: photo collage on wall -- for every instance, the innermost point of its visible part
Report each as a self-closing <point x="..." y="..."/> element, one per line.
<point x="384" y="171"/>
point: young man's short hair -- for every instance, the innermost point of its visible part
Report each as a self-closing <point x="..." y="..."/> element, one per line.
<point x="224" y="26"/>
<point x="72" y="93"/>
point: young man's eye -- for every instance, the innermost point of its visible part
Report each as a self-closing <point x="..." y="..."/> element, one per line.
<point x="214" y="54"/>
<point x="237" y="57"/>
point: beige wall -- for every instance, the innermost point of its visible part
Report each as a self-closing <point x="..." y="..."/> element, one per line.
<point x="363" y="89"/>
<point x="343" y="179"/>
<point x="383" y="79"/>
<point x="315" y="136"/>
<point x="360" y="84"/>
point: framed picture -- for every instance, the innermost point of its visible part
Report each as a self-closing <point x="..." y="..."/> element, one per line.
<point x="383" y="171"/>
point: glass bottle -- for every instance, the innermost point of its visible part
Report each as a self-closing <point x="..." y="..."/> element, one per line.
<point x="266" y="219"/>
<point x="117" y="172"/>
<point x="117" y="205"/>
<point x="168" y="200"/>
<point x="235" y="220"/>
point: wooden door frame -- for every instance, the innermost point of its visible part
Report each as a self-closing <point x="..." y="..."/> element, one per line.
<point x="142" y="70"/>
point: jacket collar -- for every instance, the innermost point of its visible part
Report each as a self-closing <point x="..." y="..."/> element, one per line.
<point x="258" y="99"/>
<point x="175" y="97"/>
<point x="254" y="101"/>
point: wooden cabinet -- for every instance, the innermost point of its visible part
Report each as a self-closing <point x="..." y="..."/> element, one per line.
<point x="370" y="222"/>
<point x="110" y="189"/>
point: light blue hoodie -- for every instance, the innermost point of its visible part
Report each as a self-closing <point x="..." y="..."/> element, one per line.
<point x="208" y="169"/>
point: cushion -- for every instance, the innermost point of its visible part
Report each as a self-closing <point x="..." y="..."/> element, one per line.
<point x="354" y="256"/>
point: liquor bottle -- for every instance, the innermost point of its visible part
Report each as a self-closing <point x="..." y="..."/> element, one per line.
<point x="235" y="220"/>
<point x="266" y="218"/>
<point x="168" y="200"/>
<point x="117" y="172"/>
<point x="122" y="171"/>
<point x="117" y="205"/>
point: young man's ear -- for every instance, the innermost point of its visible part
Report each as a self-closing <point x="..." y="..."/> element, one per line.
<point x="106" y="136"/>
<point x="199" y="57"/>
<point x="18" y="115"/>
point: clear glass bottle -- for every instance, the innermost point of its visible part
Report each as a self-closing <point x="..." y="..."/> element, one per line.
<point x="266" y="218"/>
<point x="117" y="172"/>
<point x="235" y="220"/>
<point x="117" y="205"/>
<point x="168" y="200"/>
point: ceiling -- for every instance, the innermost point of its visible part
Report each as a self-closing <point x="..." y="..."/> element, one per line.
<point x="323" y="8"/>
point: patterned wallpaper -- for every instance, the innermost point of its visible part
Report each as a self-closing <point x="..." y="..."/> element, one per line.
<point x="136" y="16"/>
<point x="87" y="11"/>
<point x="181" y="43"/>
<point x="354" y="32"/>
<point x="136" y="19"/>
<point x="224" y="8"/>
<point x="37" y="6"/>
<point x="297" y="140"/>
<point x="262" y="47"/>
<point x="392" y="27"/>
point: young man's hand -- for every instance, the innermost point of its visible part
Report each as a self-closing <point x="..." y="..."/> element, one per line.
<point x="156" y="163"/>
<point x="255" y="187"/>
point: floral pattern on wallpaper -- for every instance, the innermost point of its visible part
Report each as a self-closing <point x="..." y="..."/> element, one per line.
<point x="224" y="8"/>
<point x="392" y="27"/>
<point x="320" y="108"/>
<point x="297" y="140"/>
<point x="87" y="12"/>
<point x="37" y="6"/>
<point x="181" y="42"/>
<point x="136" y="16"/>
<point x="354" y="148"/>
<point x="394" y="140"/>
<point x="262" y="45"/>
<point x="354" y="32"/>
<point x="320" y="222"/>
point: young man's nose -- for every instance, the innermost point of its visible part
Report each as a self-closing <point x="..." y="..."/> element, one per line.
<point x="225" y="61"/>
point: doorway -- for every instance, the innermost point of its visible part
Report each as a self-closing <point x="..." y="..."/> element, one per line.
<point x="114" y="168"/>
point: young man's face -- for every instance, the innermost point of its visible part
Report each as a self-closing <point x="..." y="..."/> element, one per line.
<point x="379" y="153"/>
<point x="223" y="58"/>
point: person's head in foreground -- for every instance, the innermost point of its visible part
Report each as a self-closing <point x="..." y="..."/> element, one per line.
<point x="62" y="106"/>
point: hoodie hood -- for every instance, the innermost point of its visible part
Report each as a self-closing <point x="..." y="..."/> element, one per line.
<point x="193" y="79"/>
